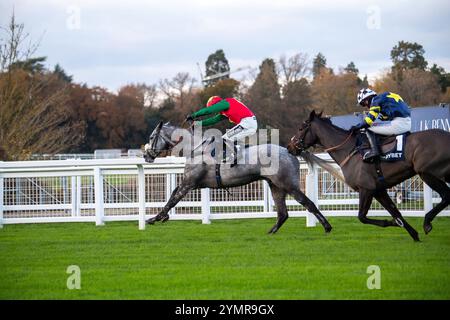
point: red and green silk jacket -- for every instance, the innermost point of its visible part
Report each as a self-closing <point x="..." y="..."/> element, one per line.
<point x="229" y="108"/>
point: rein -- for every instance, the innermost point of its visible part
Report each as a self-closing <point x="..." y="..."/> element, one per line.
<point x="339" y="145"/>
<point x="344" y="162"/>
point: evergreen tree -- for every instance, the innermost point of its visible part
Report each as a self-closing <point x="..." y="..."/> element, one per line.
<point x="319" y="63"/>
<point x="406" y="55"/>
<point x="442" y="76"/>
<point x="31" y="65"/>
<point x="351" y="68"/>
<point x="216" y="64"/>
<point x="264" y="95"/>
<point x="61" y="74"/>
<point x="297" y="102"/>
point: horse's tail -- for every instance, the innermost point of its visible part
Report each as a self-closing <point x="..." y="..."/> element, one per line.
<point x="312" y="159"/>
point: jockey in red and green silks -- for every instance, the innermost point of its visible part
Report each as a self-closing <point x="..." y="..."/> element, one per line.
<point x="235" y="111"/>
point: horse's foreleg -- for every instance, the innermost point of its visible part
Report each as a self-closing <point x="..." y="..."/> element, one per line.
<point x="279" y="198"/>
<point x="386" y="201"/>
<point x="444" y="191"/>
<point x="311" y="207"/>
<point x="365" y="200"/>
<point x="177" y="194"/>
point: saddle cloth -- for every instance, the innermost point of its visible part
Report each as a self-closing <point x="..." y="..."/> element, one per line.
<point x="392" y="148"/>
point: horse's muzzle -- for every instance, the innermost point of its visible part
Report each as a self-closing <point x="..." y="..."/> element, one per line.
<point x="148" y="158"/>
<point x="293" y="149"/>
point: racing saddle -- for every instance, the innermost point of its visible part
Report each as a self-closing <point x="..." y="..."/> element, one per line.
<point x="391" y="147"/>
<point x="221" y="152"/>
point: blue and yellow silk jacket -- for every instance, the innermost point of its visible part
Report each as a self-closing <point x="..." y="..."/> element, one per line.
<point x="386" y="106"/>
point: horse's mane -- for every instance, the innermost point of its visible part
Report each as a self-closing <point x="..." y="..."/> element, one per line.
<point x="168" y="125"/>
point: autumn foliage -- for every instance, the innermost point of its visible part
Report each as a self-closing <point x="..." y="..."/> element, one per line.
<point x="44" y="111"/>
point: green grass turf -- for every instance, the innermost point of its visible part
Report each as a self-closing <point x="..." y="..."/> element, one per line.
<point x="229" y="259"/>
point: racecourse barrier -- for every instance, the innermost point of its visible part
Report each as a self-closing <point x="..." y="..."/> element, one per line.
<point x="129" y="189"/>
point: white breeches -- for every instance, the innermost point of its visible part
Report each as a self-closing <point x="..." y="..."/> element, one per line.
<point x="245" y="128"/>
<point x="394" y="127"/>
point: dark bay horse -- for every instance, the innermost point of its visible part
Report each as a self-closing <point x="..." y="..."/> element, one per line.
<point x="200" y="172"/>
<point x="427" y="153"/>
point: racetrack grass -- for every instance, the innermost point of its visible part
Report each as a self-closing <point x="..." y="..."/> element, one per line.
<point x="229" y="259"/>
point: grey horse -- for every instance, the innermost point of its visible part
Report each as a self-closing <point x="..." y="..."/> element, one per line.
<point x="202" y="173"/>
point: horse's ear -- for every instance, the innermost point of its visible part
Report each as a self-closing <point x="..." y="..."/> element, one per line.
<point x="160" y="124"/>
<point x="320" y="114"/>
<point x="167" y="123"/>
<point x="312" y="115"/>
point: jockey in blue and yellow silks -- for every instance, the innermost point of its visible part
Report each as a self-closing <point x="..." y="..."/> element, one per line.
<point x="388" y="115"/>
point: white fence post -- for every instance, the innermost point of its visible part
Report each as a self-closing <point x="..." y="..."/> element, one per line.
<point x="171" y="183"/>
<point x="74" y="196"/>
<point x="427" y="198"/>
<point x="141" y="187"/>
<point x="98" y="189"/>
<point x="78" y="212"/>
<point x="206" y="211"/>
<point x="1" y="200"/>
<point x="312" y="193"/>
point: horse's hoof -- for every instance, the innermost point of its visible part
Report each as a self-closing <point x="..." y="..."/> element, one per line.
<point x="165" y="218"/>
<point x="328" y="229"/>
<point x="392" y="223"/>
<point x="150" y="221"/>
<point x="427" y="228"/>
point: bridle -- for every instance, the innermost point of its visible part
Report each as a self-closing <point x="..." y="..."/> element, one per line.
<point x="300" y="144"/>
<point x="155" y="153"/>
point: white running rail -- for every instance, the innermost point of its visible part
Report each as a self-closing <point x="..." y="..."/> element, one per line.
<point x="106" y="190"/>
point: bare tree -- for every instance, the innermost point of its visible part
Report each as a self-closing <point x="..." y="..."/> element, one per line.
<point x="418" y="87"/>
<point x="12" y="44"/>
<point x="421" y="88"/>
<point x="335" y="94"/>
<point x="179" y="88"/>
<point x="183" y="94"/>
<point x="165" y="85"/>
<point x="143" y="93"/>
<point x="245" y="82"/>
<point x="295" y="67"/>
<point x="150" y="94"/>
<point x="34" y="116"/>
<point x="181" y="83"/>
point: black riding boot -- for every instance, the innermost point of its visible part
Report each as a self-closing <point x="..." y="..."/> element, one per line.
<point x="374" y="152"/>
<point x="232" y="158"/>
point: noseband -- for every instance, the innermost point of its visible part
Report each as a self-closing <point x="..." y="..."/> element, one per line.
<point x="154" y="153"/>
<point x="300" y="144"/>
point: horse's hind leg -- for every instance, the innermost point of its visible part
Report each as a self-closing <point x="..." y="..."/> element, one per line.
<point x="444" y="191"/>
<point x="311" y="207"/>
<point x="384" y="199"/>
<point x="279" y="198"/>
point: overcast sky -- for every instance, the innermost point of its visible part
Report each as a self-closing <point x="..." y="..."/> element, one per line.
<point x="112" y="43"/>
